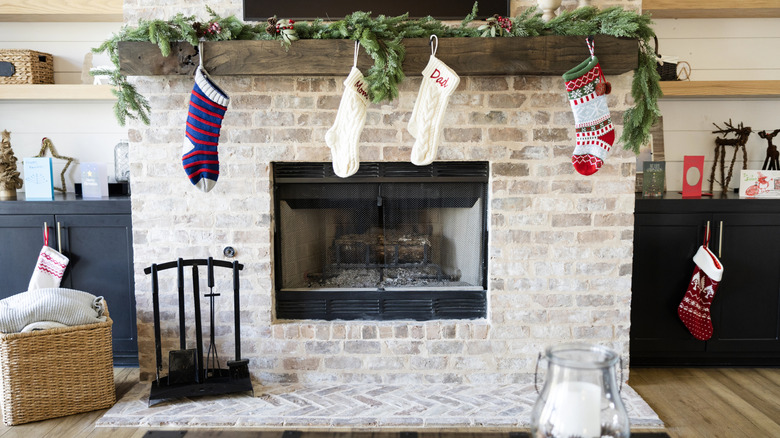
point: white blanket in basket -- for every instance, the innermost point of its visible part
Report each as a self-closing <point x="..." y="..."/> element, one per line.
<point x="66" y="306"/>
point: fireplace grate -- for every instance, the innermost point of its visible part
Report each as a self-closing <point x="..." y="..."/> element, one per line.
<point x="323" y="172"/>
<point x="420" y="305"/>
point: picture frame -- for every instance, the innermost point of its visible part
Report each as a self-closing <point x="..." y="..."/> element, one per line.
<point x="759" y="184"/>
<point x="651" y="151"/>
<point x="693" y="176"/>
<point x="654" y="179"/>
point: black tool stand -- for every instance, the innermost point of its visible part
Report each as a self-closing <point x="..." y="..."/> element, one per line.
<point x="188" y="374"/>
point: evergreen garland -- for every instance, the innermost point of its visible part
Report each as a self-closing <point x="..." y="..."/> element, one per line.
<point x="381" y="38"/>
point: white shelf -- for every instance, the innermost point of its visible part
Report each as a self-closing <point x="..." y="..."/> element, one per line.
<point x="55" y="92"/>
<point x="691" y="89"/>
<point x="712" y="8"/>
<point x="61" y="10"/>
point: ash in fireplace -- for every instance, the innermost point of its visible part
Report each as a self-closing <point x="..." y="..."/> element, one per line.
<point x="426" y="276"/>
<point x="351" y="278"/>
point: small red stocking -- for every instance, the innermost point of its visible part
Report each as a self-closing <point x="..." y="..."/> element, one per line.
<point x="694" y="310"/>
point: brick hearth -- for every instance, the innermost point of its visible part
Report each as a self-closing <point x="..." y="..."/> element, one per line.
<point x="355" y="407"/>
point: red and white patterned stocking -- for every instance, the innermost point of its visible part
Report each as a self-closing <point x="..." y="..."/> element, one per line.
<point x="587" y="89"/>
<point x="49" y="268"/>
<point x="694" y="310"/>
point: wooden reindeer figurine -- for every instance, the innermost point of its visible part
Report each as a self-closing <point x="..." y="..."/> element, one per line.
<point x="772" y="154"/>
<point x="742" y="133"/>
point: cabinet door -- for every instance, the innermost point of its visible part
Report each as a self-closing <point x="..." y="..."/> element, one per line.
<point x="21" y="239"/>
<point x="664" y="245"/>
<point x="746" y="307"/>
<point x="101" y="263"/>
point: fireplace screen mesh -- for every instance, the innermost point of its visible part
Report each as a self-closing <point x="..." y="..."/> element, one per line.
<point x="380" y="234"/>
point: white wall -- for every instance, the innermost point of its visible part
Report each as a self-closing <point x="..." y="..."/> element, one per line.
<point x="719" y="50"/>
<point x="85" y="130"/>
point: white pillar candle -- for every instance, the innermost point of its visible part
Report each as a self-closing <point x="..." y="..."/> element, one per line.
<point x="576" y="410"/>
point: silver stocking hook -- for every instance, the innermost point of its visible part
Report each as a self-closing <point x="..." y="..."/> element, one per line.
<point x="433" y="41"/>
<point x="200" y="59"/>
<point x="357" y="47"/>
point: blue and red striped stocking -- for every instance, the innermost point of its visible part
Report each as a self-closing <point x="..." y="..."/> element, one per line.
<point x="208" y="104"/>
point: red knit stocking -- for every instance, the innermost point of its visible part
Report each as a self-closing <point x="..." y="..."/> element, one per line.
<point x="694" y="310"/>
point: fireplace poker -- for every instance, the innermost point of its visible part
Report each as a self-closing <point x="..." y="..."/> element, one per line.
<point x="211" y="358"/>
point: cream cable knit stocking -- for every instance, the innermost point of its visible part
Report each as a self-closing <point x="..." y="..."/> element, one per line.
<point x="439" y="81"/>
<point x="343" y="136"/>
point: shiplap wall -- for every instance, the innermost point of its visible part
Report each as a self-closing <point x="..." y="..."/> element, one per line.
<point x="719" y="50"/>
<point x="85" y="130"/>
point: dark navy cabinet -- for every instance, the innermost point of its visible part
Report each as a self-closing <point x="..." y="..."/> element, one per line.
<point x="745" y="234"/>
<point x="96" y="235"/>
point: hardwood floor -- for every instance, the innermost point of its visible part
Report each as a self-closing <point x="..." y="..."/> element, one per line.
<point x="693" y="402"/>
<point x="712" y="402"/>
<point x="80" y="425"/>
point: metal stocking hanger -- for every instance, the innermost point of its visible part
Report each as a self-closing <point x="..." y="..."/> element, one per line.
<point x="188" y="374"/>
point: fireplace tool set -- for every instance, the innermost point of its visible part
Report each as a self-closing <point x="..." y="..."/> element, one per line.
<point x="188" y="374"/>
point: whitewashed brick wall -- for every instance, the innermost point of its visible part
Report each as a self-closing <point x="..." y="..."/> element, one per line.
<point x="560" y="244"/>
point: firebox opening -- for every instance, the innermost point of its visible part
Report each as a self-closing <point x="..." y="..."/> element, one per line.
<point x="393" y="241"/>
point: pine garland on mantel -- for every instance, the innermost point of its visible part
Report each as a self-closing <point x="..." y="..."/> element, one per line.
<point x="381" y="38"/>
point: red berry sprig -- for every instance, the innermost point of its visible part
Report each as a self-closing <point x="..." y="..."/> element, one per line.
<point x="504" y="22"/>
<point x="214" y="28"/>
<point x="280" y="26"/>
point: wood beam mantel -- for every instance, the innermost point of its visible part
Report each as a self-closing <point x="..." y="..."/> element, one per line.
<point x="546" y="55"/>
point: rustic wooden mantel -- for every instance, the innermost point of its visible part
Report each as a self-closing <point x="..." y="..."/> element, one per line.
<point x="546" y="55"/>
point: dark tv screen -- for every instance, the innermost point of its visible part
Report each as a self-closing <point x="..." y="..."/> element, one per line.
<point x="261" y="10"/>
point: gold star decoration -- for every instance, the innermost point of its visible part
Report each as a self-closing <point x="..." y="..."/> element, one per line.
<point x="46" y="144"/>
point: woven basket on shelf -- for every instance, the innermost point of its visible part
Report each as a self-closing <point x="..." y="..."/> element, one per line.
<point x="56" y="372"/>
<point x="30" y="67"/>
<point x="667" y="70"/>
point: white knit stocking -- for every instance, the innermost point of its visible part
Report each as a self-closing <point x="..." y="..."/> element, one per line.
<point x="343" y="136"/>
<point x="438" y="83"/>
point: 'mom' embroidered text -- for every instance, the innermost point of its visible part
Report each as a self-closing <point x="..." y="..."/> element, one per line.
<point x="360" y="90"/>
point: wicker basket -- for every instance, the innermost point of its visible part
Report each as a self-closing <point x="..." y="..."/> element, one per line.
<point x="56" y="372"/>
<point x="30" y="67"/>
<point x="667" y="70"/>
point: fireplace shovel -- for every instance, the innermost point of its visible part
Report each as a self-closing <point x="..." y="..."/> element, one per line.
<point x="238" y="368"/>
<point x="183" y="363"/>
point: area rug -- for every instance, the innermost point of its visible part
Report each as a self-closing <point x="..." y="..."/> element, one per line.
<point x="352" y="407"/>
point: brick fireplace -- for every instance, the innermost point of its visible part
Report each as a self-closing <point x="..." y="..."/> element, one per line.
<point x="559" y="247"/>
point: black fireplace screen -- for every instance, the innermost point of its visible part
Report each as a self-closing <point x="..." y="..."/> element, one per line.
<point x="394" y="241"/>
